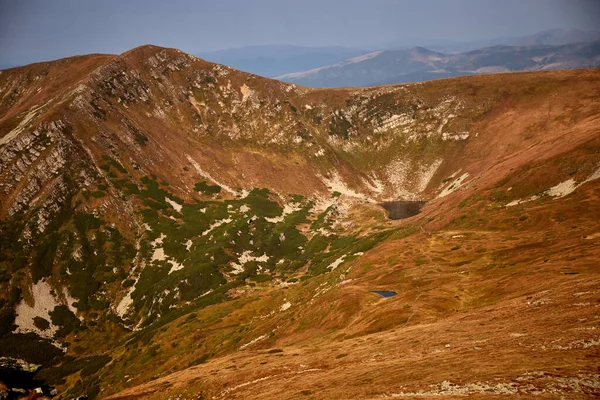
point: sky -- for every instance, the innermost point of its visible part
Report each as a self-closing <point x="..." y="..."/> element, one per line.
<point x="39" y="30"/>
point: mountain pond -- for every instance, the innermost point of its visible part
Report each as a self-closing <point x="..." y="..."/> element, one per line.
<point x="384" y="293"/>
<point x="403" y="208"/>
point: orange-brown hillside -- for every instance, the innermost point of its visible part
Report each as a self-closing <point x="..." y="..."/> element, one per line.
<point x="193" y="231"/>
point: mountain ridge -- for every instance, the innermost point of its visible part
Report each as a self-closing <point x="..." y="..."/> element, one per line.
<point x="407" y="65"/>
<point x="168" y="217"/>
<point x="273" y="60"/>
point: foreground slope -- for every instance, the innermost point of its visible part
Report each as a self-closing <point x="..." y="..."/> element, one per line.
<point x="174" y="226"/>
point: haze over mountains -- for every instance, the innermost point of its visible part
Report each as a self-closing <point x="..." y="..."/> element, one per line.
<point x="174" y="228"/>
<point x="272" y="61"/>
<point x="551" y="37"/>
<point x="419" y="64"/>
<point x="334" y="66"/>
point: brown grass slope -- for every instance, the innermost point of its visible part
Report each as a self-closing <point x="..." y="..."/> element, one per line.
<point x="493" y="300"/>
<point x="505" y="310"/>
<point x="155" y="107"/>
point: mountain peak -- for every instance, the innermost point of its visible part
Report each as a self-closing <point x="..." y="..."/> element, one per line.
<point x="144" y="52"/>
<point x="420" y="49"/>
<point x="145" y="48"/>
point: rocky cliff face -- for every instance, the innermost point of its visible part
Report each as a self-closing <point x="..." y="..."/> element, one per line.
<point x="142" y="188"/>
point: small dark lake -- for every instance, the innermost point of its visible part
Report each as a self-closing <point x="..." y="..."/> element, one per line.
<point x="384" y="293"/>
<point x="402" y="209"/>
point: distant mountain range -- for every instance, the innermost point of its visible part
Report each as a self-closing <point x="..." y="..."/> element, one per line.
<point x="271" y="61"/>
<point x="279" y="60"/>
<point x="420" y="64"/>
<point x="551" y="37"/>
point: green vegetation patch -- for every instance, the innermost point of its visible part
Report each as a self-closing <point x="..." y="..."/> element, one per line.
<point x="41" y="323"/>
<point x="205" y="188"/>
<point x="65" y="319"/>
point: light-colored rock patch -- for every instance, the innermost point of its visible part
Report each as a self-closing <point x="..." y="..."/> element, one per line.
<point x="245" y="258"/>
<point x="336" y="263"/>
<point x="209" y="177"/>
<point x="288" y="208"/>
<point x="335" y="183"/>
<point x="453" y="186"/>
<point x="457" y="136"/>
<point x="176" y="206"/>
<point x="394" y="122"/>
<point x="175" y="266"/>
<point x="216" y="224"/>
<point x="246" y="92"/>
<point x="426" y="173"/>
<point x="253" y="341"/>
<point x="409" y="179"/>
<point x="559" y="190"/>
<point x="22" y="125"/>
<point x="562" y="189"/>
<point x="43" y="303"/>
<point x="520" y="201"/>
<point x="125" y="302"/>
<point x="159" y="254"/>
<point x="374" y="184"/>
<point x="569" y="186"/>
<point x="450" y="389"/>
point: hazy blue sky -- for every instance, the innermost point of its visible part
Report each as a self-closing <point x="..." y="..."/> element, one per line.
<point x="43" y="29"/>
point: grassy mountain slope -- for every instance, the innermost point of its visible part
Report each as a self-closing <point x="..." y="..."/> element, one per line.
<point x="172" y="226"/>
